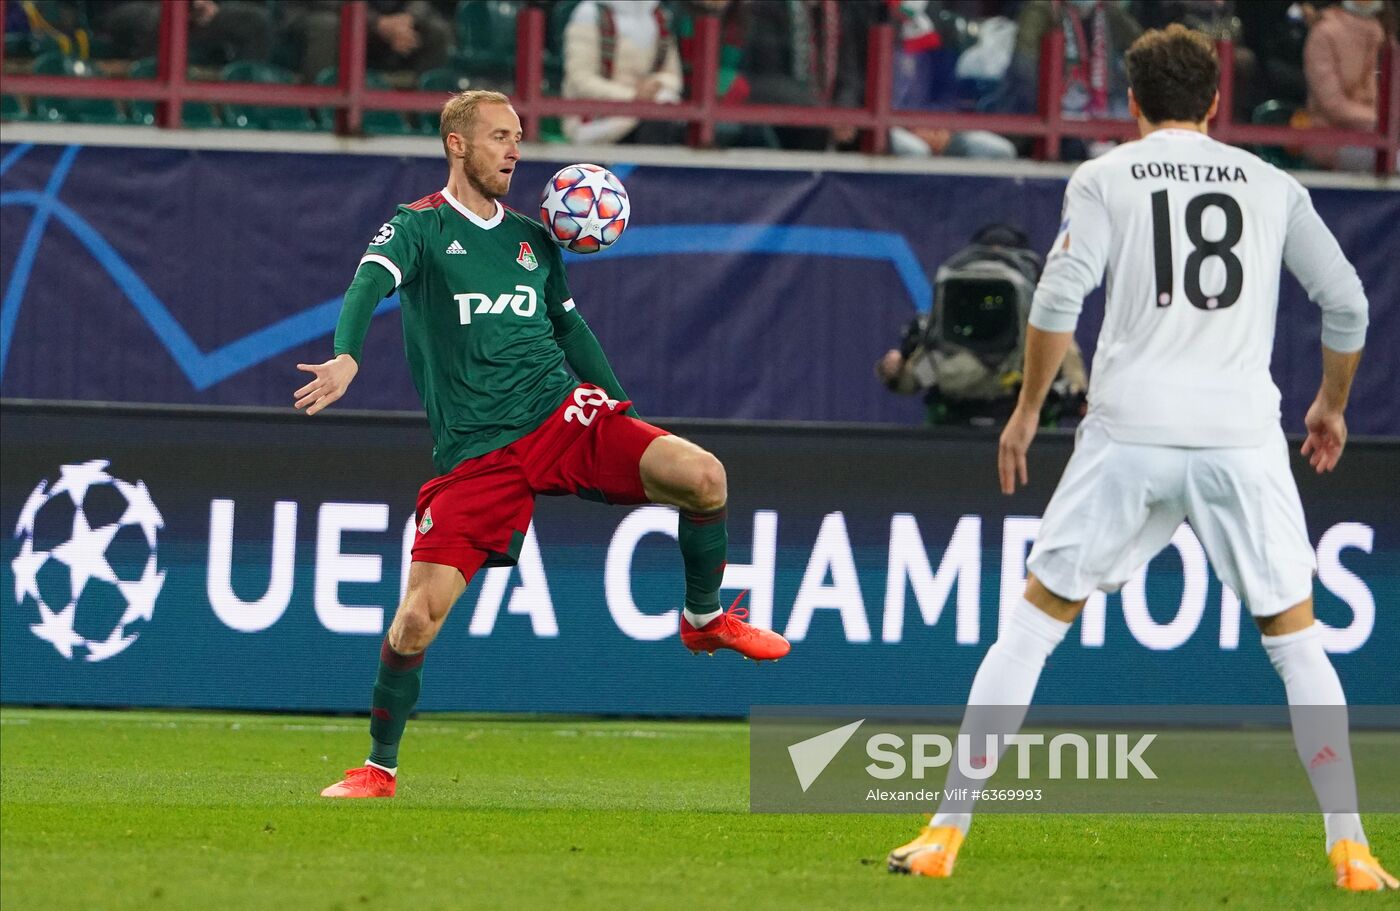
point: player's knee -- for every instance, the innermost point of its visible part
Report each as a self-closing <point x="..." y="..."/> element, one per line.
<point x="1295" y="619"/>
<point x="415" y="626"/>
<point x="709" y="488"/>
<point x="412" y="631"/>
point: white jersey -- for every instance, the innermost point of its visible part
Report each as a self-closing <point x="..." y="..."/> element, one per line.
<point x="1191" y="233"/>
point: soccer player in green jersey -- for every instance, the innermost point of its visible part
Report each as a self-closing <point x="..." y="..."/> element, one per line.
<point x="488" y="326"/>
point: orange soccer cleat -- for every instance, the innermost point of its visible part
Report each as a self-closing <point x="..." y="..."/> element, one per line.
<point x="1357" y="870"/>
<point x="729" y="630"/>
<point x="366" y="781"/>
<point x="931" y="854"/>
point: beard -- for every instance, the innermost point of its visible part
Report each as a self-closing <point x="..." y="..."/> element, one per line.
<point x="490" y="183"/>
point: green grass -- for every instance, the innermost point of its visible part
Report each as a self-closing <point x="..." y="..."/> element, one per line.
<point x="151" y="810"/>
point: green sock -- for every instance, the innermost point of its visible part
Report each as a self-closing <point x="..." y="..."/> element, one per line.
<point x="704" y="540"/>
<point x="395" y="694"/>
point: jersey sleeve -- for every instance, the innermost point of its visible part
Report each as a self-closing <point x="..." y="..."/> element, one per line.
<point x="1312" y="254"/>
<point x="395" y="247"/>
<point x="368" y="288"/>
<point x="1076" y="262"/>
<point x="557" y="298"/>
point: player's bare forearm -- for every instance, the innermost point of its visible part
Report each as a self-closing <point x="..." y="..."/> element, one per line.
<point x="1045" y="352"/>
<point x="371" y="283"/>
<point x="331" y="380"/>
<point x="1338" y="370"/>
<point x="1325" y="420"/>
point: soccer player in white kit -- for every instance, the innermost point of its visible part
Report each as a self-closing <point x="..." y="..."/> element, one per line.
<point x="1183" y="419"/>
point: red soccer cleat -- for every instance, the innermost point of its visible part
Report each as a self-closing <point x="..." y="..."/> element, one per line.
<point x="729" y="630"/>
<point x="366" y="781"/>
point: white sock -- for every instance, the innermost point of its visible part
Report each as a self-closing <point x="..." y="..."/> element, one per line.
<point x="383" y="768"/>
<point x="698" y="620"/>
<point x="1001" y="693"/>
<point x="1317" y="707"/>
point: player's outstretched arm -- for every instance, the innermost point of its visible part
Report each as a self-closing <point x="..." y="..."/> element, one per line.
<point x="372" y="282"/>
<point x="1045" y="351"/>
<point x="331" y="380"/>
<point x="1326" y="420"/>
<point x="585" y="356"/>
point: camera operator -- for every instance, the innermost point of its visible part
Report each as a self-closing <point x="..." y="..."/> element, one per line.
<point x="965" y="356"/>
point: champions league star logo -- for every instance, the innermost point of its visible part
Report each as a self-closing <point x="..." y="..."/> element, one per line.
<point x="100" y="579"/>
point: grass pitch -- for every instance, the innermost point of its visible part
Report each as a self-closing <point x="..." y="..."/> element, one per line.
<point x="151" y="810"/>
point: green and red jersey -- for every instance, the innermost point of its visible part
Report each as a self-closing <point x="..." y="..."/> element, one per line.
<point x="485" y="308"/>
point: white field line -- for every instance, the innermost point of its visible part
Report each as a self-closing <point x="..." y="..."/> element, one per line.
<point x="10" y="718"/>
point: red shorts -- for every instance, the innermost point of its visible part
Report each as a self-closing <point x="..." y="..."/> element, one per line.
<point x="587" y="447"/>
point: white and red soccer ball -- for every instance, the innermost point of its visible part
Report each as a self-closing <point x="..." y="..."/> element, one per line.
<point x="585" y="208"/>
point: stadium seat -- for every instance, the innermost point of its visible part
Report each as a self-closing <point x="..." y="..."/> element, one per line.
<point x="439" y="80"/>
<point x="101" y="48"/>
<point x="552" y="130"/>
<point x="442" y="80"/>
<point x="11" y="109"/>
<point x="486" y="42"/>
<point x="287" y="44"/>
<point x="1277" y="113"/>
<point x="380" y="123"/>
<point x="21" y="45"/>
<point x="72" y="110"/>
<point x="486" y="39"/>
<point x="193" y="115"/>
<point x="559" y="16"/>
<point x="263" y="118"/>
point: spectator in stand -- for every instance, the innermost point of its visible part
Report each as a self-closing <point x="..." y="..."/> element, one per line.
<point x="403" y="35"/>
<point x="923" y="80"/>
<point x="809" y="52"/>
<point x="1097" y="33"/>
<point x="407" y="35"/>
<point x="621" y="50"/>
<point x="220" y="32"/>
<point x="59" y="22"/>
<point x="1275" y="31"/>
<point x="1339" y="60"/>
<point x="732" y="86"/>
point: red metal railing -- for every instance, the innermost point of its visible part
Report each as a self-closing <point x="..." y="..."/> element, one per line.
<point x="351" y="98"/>
<point x="170" y="61"/>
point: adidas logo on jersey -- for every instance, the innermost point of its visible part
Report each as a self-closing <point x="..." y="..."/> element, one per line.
<point x="456" y="247"/>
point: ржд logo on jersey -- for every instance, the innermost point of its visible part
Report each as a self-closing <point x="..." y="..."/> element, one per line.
<point x="383" y="236"/>
<point x="522" y="302"/>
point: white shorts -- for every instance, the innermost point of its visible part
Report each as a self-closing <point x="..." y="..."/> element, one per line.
<point x="1118" y="504"/>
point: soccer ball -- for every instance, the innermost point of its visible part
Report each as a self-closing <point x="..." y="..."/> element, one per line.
<point x="87" y="560"/>
<point x="585" y="208"/>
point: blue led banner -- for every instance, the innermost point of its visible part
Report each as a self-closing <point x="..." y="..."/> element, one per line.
<point x="254" y="559"/>
<point x="162" y="275"/>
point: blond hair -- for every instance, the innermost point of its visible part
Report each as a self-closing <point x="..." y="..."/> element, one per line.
<point x="459" y="112"/>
